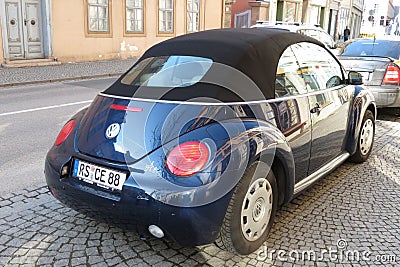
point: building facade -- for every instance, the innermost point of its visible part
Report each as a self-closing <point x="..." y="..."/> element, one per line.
<point x="315" y="12"/>
<point x="381" y="18"/>
<point x="244" y="13"/>
<point x="350" y="14"/>
<point x="332" y="15"/>
<point x="82" y="30"/>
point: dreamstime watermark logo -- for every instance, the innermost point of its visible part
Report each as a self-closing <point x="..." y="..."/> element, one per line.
<point x="339" y="253"/>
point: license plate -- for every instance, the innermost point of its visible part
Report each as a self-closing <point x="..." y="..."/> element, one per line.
<point x="94" y="174"/>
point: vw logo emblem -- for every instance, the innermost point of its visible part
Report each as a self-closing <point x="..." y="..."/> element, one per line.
<point x="113" y="130"/>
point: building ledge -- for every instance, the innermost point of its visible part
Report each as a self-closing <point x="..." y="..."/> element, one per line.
<point x="259" y="3"/>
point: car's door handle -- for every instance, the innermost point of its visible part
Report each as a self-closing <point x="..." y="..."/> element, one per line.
<point x="316" y="109"/>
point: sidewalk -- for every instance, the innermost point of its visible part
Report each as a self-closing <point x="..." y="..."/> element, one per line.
<point x="65" y="71"/>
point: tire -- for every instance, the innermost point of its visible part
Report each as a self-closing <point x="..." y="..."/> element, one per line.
<point x="255" y="196"/>
<point x="365" y="138"/>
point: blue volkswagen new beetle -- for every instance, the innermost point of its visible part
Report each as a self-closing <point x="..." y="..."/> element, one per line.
<point x="209" y="133"/>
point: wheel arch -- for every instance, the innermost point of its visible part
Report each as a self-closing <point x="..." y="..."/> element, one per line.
<point x="284" y="171"/>
<point x="373" y="109"/>
<point x="363" y="101"/>
<point x="266" y="143"/>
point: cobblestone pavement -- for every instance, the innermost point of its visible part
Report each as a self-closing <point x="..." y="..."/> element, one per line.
<point x="65" y="71"/>
<point x="354" y="211"/>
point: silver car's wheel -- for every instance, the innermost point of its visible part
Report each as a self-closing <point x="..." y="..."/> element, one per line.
<point x="256" y="209"/>
<point x="366" y="137"/>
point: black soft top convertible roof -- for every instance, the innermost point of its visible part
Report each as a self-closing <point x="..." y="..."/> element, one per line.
<point x="254" y="52"/>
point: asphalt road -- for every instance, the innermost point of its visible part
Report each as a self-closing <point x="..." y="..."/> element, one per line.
<point x="30" y="119"/>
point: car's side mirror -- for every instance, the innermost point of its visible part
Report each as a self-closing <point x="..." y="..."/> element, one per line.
<point x="355" y="78"/>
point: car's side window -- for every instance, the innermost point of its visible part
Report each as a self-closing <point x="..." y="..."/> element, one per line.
<point x="288" y="76"/>
<point x="319" y="68"/>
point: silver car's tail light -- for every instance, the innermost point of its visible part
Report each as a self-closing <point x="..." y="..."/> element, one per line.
<point x="392" y="75"/>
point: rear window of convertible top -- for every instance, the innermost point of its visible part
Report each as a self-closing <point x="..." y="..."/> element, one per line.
<point x="168" y="71"/>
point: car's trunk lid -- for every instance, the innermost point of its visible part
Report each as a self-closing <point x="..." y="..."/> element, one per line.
<point x="371" y="68"/>
<point x="143" y="126"/>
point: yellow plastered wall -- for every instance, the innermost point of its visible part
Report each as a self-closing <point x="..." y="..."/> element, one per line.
<point x="71" y="42"/>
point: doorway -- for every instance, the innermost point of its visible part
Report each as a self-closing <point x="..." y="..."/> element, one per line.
<point x="23" y="29"/>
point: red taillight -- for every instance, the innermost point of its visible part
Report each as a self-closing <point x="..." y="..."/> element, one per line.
<point x="392" y="75"/>
<point x="64" y="133"/>
<point x="187" y="158"/>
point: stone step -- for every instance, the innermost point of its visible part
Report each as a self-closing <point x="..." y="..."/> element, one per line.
<point x="30" y="63"/>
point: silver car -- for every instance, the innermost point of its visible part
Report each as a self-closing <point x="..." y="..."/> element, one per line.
<point x="378" y="60"/>
<point x="313" y="31"/>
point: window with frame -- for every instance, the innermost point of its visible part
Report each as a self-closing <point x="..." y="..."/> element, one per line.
<point x="134" y="16"/>
<point x="291" y="11"/>
<point x="193" y="15"/>
<point x="376" y="8"/>
<point x="315" y="12"/>
<point x="98" y="16"/>
<point x="166" y="16"/>
<point x="343" y="17"/>
<point x="243" y="19"/>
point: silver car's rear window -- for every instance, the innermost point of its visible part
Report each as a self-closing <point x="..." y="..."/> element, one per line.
<point x="168" y="71"/>
<point x="370" y="47"/>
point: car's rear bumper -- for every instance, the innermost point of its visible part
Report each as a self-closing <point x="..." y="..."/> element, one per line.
<point x="133" y="209"/>
<point x="386" y="96"/>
